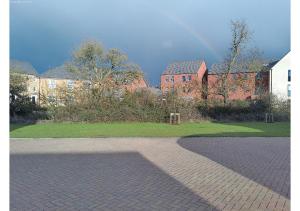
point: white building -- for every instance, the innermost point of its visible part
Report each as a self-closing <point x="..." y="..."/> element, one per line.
<point x="280" y="78"/>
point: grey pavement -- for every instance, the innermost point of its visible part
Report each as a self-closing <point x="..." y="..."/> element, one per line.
<point x="150" y="174"/>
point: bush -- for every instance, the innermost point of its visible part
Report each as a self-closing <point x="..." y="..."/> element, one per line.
<point x="281" y="109"/>
<point x="247" y="110"/>
<point x="145" y="106"/>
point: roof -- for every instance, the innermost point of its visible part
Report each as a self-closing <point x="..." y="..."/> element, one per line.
<point x="17" y="66"/>
<point x="270" y="65"/>
<point x="242" y="68"/>
<point x="222" y="68"/>
<point x="60" y="72"/>
<point x="183" y="67"/>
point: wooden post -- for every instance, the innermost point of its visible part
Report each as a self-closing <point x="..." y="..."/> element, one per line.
<point x="174" y="118"/>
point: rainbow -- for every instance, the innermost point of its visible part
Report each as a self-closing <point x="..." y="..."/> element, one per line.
<point x="175" y="19"/>
<point x="203" y="40"/>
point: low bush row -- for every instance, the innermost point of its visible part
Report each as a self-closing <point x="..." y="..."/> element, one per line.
<point x="144" y="106"/>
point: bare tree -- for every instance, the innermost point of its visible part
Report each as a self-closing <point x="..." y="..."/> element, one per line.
<point x="236" y="62"/>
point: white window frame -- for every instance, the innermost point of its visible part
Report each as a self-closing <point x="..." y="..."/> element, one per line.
<point x="70" y="84"/>
<point x="289" y="90"/>
<point x="51" y="84"/>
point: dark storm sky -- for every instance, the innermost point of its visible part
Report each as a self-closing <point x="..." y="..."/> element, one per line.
<point x="152" y="33"/>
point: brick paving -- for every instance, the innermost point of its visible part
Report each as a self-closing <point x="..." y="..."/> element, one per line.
<point x="145" y="174"/>
<point x="266" y="162"/>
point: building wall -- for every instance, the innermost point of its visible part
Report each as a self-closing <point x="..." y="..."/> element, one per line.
<point x="279" y="79"/>
<point x="136" y="84"/>
<point x="33" y="87"/>
<point x="52" y="89"/>
<point x="190" y="88"/>
<point x="45" y="90"/>
<point x="244" y="86"/>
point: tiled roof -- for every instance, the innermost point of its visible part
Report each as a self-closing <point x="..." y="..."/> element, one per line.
<point x="183" y="67"/>
<point x="22" y="67"/>
<point x="222" y="68"/>
<point x="270" y="65"/>
<point x="60" y="72"/>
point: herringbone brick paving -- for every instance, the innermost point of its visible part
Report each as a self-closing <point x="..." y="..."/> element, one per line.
<point x="266" y="162"/>
<point x="141" y="174"/>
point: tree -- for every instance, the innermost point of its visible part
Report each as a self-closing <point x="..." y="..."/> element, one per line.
<point x="88" y="61"/>
<point x="236" y="62"/>
<point x="102" y="70"/>
<point x="19" y="101"/>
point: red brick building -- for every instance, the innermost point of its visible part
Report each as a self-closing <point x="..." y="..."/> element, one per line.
<point x="192" y="79"/>
<point x="243" y="85"/>
<point x="136" y="84"/>
<point x="185" y="77"/>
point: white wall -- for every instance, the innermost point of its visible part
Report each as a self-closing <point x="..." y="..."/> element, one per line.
<point x="280" y="77"/>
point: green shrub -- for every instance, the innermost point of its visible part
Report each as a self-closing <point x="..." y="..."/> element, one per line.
<point x="144" y="106"/>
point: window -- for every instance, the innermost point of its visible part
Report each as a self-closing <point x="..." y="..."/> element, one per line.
<point x="87" y="84"/>
<point x="51" y="84"/>
<point x="70" y="84"/>
<point x="245" y="76"/>
<point x="172" y="78"/>
<point x="289" y="75"/>
<point x="33" y="99"/>
<point x="188" y="90"/>
<point x="183" y="78"/>
<point x="258" y="90"/>
<point x="258" y="76"/>
<point x="167" y="78"/>
<point x="189" y="77"/>
<point x="51" y="99"/>
<point x="235" y="76"/>
<point x="289" y="90"/>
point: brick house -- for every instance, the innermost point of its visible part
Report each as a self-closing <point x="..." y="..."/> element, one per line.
<point x="191" y="79"/>
<point x="136" y="84"/>
<point x="244" y="85"/>
<point x="186" y="78"/>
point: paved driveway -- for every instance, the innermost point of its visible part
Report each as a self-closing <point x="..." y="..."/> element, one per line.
<point x="150" y="174"/>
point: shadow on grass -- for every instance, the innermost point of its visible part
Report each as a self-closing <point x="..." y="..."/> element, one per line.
<point x="265" y="161"/>
<point x="16" y="126"/>
<point x="19" y="122"/>
<point x="98" y="181"/>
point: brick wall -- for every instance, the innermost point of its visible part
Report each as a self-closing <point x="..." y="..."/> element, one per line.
<point x="191" y="87"/>
<point x="243" y="86"/>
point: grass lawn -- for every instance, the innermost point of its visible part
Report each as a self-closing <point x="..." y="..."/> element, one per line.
<point x="80" y="130"/>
